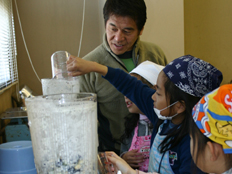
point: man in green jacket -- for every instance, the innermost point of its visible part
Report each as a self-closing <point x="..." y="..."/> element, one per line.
<point x="121" y="48"/>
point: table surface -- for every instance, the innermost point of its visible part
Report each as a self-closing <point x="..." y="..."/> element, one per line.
<point x="19" y="112"/>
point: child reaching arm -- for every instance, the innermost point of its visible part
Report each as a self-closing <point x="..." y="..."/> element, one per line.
<point x="77" y="66"/>
<point x="179" y="86"/>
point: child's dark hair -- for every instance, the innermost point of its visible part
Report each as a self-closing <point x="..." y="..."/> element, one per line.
<point x="198" y="137"/>
<point x="135" y="9"/>
<point x="130" y="124"/>
<point x="132" y="121"/>
<point x="173" y="93"/>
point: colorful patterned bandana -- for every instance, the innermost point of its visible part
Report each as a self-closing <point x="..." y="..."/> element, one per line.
<point x="213" y="116"/>
<point x="193" y="75"/>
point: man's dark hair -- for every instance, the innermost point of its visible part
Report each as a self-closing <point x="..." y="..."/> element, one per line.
<point x="135" y="9"/>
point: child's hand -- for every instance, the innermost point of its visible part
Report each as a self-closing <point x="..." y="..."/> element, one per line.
<point x="119" y="163"/>
<point x="133" y="158"/>
<point x="77" y="66"/>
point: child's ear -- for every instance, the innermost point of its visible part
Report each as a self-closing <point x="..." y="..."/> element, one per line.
<point x="180" y="106"/>
<point x="215" y="150"/>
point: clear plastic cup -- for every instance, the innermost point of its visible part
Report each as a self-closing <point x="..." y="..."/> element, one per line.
<point x="63" y="131"/>
<point x="58" y="61"/>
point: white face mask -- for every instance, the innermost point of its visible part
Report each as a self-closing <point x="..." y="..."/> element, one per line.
<point x="157" y="111"/>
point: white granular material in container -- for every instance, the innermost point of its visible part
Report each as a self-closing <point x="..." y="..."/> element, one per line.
<point x="60" y="86"/>
<point x="64" y="134"/>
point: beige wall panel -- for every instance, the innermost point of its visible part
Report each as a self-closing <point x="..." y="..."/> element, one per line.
<point x="208" y="33"/>
<point x="53" y="25"/>
<point x="165" y="26"/>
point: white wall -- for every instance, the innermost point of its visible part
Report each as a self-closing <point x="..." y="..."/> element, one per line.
<point x="165" y="26"/>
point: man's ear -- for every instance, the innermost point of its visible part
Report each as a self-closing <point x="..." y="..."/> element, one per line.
<point x="141" y="32"/>
<point x="180" y="106"/>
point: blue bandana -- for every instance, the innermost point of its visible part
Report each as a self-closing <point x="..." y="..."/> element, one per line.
<point x="193" y="75"/>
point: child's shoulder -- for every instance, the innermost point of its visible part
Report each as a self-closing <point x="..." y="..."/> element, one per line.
<point x="184" y="144"/>
<point x="185" y="141"/>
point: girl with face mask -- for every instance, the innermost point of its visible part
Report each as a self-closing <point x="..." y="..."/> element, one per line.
<point x="179" y="87"/>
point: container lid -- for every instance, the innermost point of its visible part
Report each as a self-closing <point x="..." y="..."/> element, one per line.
<point x="16" y="145"/>
<point x="17" y="157"/>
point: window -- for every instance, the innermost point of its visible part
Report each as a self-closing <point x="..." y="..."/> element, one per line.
<point x="8" y="52"/>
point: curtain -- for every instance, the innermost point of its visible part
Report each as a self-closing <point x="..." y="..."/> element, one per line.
<point x="8" y="51"/>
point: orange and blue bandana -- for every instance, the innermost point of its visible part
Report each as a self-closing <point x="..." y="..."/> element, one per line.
<point x="213" y="116"/>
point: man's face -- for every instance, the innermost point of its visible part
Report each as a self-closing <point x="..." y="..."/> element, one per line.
<point x="121" y="33"/>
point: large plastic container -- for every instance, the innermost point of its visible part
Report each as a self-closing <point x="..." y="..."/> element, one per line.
<point x="16" y="157"/>
<point x="64" y="132"/>
<point x="59" y="86"/>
